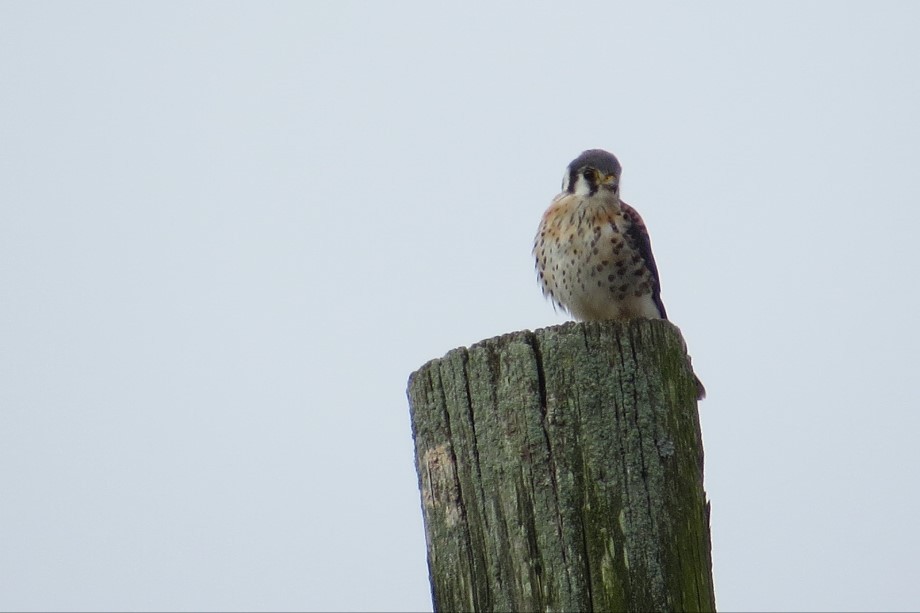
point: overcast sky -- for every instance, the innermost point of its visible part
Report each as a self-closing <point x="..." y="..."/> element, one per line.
<point x="229" y="232"/>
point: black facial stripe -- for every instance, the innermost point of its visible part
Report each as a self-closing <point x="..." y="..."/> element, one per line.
<point x="591" y="179"/>
<point x="595" y="178"/>
<point x="573" y="178"/>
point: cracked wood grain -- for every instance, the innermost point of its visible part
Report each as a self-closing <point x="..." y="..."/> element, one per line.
<point x="562" y="470"/>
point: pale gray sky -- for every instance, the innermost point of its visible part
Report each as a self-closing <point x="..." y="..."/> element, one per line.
<point x="229" y="231"/>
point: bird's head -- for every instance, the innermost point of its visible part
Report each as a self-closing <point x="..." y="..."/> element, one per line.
<point x="592" y="171"/>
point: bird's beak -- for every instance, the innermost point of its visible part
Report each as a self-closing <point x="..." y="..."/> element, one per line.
<point x="608" y="179"/>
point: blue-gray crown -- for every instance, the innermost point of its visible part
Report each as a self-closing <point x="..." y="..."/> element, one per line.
<point x="602" y="160"/>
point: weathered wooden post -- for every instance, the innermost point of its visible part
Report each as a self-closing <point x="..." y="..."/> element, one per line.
<point x="562" y="470"/>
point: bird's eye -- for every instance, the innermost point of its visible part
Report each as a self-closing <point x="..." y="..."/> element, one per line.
<point x="590" y="174"/>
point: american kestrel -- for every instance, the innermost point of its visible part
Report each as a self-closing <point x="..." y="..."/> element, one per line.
<point x="594" y="257"/>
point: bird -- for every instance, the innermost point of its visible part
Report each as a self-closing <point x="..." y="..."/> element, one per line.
<point x="593" y="252"/>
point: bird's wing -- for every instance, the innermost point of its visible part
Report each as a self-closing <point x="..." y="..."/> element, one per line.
<point x="639" y="234"/>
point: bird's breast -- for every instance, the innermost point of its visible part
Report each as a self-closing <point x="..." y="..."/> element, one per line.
<point x="588" y="263"/>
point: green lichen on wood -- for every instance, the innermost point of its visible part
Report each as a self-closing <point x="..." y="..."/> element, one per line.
<point x="562" y="470"/>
